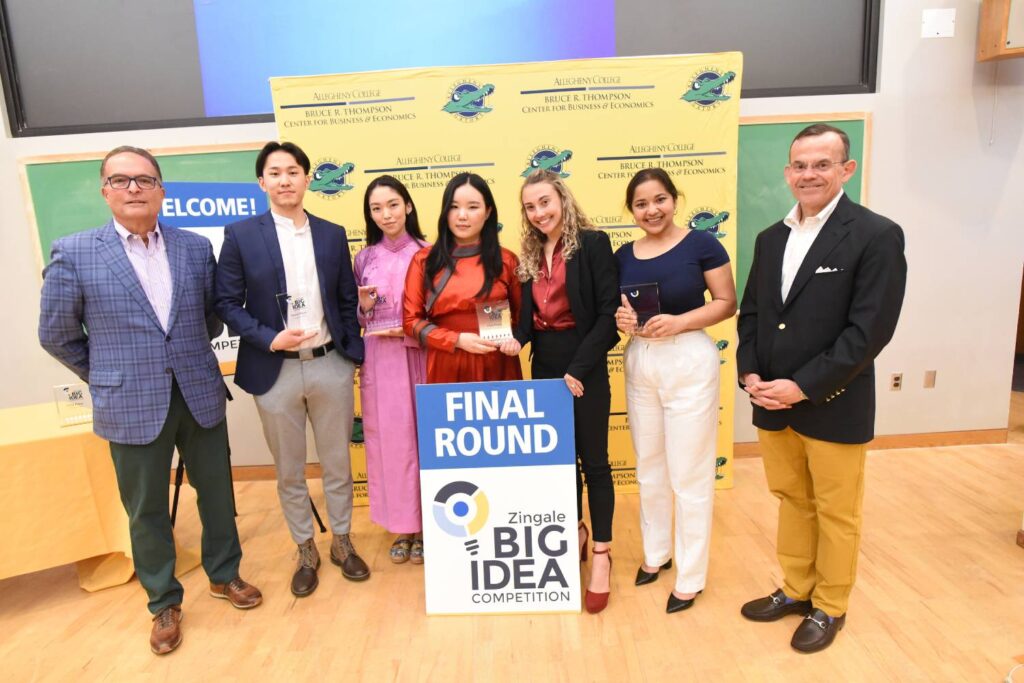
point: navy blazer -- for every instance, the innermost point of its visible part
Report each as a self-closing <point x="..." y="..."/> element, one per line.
<point x="840" y="313"/>
<point x="592" y="284"/>
<point x="250" y="274"/>
<point x="95" y="318"/>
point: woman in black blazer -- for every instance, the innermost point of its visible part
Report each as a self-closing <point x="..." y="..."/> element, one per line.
<point x="570" y="293"/>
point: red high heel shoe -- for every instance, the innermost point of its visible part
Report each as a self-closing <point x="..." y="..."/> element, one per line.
<point x="595" y="602"/>
<point x="583" y="543"/>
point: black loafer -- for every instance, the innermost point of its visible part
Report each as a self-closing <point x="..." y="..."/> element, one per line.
<point x="678" y="605"/>
<point x="816" y="631"/>
<point x="774" y="607"/>
<point x="643" y="578"/>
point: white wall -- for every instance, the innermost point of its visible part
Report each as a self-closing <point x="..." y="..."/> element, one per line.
<point x="946" y="163"/>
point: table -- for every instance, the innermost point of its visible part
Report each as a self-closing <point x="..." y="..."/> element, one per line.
<point x="59" y="501"/>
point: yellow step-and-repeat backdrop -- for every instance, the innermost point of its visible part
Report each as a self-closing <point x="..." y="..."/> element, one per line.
<point x="596" y="122"/>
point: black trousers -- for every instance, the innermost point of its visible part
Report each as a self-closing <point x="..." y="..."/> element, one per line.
<point x="552" y="353"/>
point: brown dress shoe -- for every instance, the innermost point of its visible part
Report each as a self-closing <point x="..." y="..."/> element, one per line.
<point x="305" y="581"/>
<point x="166" y="633"/>
<point x="239" y="593"/>
<point x="344" y="555"/>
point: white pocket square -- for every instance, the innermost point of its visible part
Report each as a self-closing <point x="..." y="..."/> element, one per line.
<point x="823" y="269"/>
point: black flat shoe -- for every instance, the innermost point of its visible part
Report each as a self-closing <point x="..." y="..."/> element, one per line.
<point x="816" y="632"/>
<point x="678" y="605"/>
<point x="643" y="578"/>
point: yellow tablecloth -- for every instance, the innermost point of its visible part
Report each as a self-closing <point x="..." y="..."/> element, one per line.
<point x="59" y="501"/>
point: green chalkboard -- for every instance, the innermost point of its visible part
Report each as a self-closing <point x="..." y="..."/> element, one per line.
<point x="64" y="195"/>
<point x="763" y="196"/>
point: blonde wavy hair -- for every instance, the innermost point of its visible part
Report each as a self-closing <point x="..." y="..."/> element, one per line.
<point x="574" y="221"/>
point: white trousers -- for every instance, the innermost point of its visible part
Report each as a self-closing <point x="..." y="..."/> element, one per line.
<point x="672" y="401"/>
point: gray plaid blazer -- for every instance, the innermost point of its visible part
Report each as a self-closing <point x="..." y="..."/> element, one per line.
<point x="95" y="319"/>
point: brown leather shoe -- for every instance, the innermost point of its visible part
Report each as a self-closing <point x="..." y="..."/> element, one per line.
<point x="305" y="581"/>
<point x="344" y="555"/>
<point x="239" y="593"/>
<point x="166" y="633"/>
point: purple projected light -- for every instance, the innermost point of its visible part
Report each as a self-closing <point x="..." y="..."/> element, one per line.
<point x="242" y="44"/>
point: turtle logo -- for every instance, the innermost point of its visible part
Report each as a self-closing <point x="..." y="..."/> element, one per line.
<point x="548" y="159"/>
<point x="706" y="88"/>
<point x="329" y="178"/>
<point x="466" y="100"/>
<point x="721" y="345"/>
<point x="706" y="219"/>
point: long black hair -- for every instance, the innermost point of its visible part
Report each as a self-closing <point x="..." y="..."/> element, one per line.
<point x="440" y="257"/>
<point x="412" y="222"/>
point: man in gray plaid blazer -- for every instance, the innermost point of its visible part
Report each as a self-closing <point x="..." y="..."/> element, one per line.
<point x="128" y="307"/>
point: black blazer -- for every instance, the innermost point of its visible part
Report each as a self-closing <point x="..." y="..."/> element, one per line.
<point x="592" y="283"/>
<point x="250" y="272"/>
<point x="840" y="313"/>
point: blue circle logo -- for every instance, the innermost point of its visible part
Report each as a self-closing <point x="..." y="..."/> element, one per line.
<point x="460" y="509"/>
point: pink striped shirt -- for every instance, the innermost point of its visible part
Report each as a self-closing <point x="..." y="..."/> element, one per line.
<point x="152" y="267"/>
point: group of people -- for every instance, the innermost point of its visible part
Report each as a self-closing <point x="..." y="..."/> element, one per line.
<point x="131" y="307"/>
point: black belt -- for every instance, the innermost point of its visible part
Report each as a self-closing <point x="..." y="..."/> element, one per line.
<point x="309" y="354"/>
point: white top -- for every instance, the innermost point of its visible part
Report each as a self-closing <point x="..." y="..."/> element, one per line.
<point x="802" y="234"/>
<point x="301" y="279"/>
<point x="152" y="267"/>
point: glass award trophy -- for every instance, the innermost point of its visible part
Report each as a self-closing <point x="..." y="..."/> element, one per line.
<point x="644" y="300"/>
<point x="387" y="312"/>
<point x="295" y="312"/>
<point x="495" y="320"/>
<point x="74" y="404"/>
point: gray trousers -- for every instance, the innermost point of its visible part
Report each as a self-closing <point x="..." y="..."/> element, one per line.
<point x="321" y="389"/>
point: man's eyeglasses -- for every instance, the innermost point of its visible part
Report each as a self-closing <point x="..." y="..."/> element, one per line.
<point x="123" y="182"/>
<point x="817" y="167"/>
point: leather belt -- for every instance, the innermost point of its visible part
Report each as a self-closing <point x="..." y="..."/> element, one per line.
<point x="309" y="354"/>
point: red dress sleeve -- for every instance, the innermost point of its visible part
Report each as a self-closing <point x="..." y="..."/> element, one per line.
<point x="415" y="322"/>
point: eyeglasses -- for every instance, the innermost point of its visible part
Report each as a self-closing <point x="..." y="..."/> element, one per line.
<point x="123" y="182"/>
<point x="818" y="166"/>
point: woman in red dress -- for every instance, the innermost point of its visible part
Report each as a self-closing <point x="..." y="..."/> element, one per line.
<point x="465" y="267"/>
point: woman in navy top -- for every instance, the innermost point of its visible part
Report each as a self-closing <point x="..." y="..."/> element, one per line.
<point x="672" y="380"/>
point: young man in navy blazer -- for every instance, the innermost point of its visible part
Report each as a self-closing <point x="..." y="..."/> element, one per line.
<point x="822" y="301"/>
<point x="128" y="307"/>
<point x="285" y="286"/>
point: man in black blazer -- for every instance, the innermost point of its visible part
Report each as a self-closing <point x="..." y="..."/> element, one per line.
<point x="822" y="301"/>
<point x="284" y="284"/>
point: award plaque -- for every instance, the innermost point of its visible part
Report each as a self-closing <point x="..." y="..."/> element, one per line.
<point x="294" y="310"/>
<point x="74" y="404"/>
<point x="644" y="300"/>
<point x="495" y="320"/>
<point x="387" y="312"/>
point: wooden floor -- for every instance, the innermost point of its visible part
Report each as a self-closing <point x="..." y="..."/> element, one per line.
<point x="940" y="596"/>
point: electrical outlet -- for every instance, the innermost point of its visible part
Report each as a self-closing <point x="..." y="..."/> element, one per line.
<point x="896" y="381"/>
<point x="929" y="379"/>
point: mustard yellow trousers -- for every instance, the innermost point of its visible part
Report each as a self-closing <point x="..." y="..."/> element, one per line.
<point x="820" y="487"/>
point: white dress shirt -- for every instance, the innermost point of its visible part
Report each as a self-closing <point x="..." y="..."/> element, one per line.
<point x="301" y="277"/>
<point x="802" y="234"/>
<point x="151" y="265"/>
